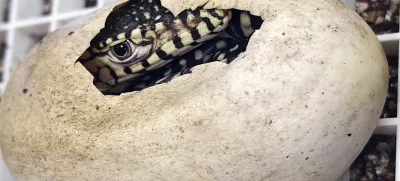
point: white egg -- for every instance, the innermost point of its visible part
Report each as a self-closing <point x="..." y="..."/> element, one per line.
<point x="312" y="75"/>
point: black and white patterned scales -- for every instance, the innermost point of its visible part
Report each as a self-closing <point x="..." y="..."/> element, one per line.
<point x="143" y="44"/>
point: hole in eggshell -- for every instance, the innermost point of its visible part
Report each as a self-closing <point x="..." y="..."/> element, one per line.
<point x="145" y="48"/>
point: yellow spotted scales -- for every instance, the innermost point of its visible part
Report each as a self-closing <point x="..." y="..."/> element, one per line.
<point x="143" y="44"/>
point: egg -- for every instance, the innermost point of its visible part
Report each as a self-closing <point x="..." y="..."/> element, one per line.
<point x="298" y="105"/>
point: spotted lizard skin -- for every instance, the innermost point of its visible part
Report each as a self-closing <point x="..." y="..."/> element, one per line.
<point x="143" y="44"/>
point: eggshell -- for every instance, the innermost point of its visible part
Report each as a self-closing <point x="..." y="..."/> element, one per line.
<point x="298" y="105"/>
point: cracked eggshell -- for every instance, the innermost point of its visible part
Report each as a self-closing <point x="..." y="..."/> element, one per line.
<point x="298" y="105"/>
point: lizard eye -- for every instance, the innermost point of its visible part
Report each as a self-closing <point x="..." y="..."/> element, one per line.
<point x="128" y="53"/>
<point x="122" y="51"/>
